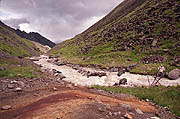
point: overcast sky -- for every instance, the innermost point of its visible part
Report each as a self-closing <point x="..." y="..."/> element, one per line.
<point x="57" y="20"/>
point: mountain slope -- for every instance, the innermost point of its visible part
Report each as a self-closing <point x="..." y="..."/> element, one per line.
<point x="13" y="45"/>
<point x="35" y="37"/>
<point x="139" y="33"/>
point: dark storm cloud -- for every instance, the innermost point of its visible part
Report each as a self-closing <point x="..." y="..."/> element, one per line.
<point x="59" y="19"/>
<point x="16" y="22"/>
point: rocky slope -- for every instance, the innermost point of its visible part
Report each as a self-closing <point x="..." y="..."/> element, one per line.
<point x="13" y="45"/>
<point x="42" y="48"/>
<point x="138" y="34"/>
<point x="32" y="36"/>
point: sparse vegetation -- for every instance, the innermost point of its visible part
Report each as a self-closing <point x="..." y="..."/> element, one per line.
<point x="166" y="97"/>
<point x="16" y="68"/>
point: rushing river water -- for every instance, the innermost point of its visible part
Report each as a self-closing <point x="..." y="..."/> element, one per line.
<point x="75" y="77"/>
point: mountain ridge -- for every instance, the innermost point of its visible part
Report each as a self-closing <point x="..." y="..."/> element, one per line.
<point x="34" y="36"/>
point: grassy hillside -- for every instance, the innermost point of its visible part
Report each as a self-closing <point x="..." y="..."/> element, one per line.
<point x="143" y="32"/>
<point x="13" y="45"/>
<point x="12" y="49"/>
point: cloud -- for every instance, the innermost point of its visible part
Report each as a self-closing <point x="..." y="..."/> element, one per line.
<point x="16" y="22"/>
<point x="57" y="20"/>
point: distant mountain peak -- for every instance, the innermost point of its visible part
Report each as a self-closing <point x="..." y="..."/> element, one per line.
<point x="34" y="36"/>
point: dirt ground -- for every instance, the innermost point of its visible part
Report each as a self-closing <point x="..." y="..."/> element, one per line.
<point x="56" y="99"/>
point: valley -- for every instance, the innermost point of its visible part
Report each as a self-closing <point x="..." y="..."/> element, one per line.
<point x="125" y="66"/>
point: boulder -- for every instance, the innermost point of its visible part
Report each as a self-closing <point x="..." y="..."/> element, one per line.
<point x="126" y="106"/>
<point x="127" y="116"/>
<point x="6" y="107"/>
<point x="59" y="63"/>
<point x="2" y="69"/>
<point x="154" y="43"/>
<point x="100" y="74"/>
<point x="20" y="83"/>
<point x="10" y="86"/>
<point x="154" y="118"/>
<point x="120" y="72"/>
<point x="128" y="69"/>
<point x="18" y="89"/>
<point x="61" y="76"/>
<point x="138" y="111"/>
<point x="174" y="74"/>
<point x="114" y="69"/>
<point x="123" y="81"/>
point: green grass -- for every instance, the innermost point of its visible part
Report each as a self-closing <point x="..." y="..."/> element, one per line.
<point x="158" y="29"/>
<point x="14" y="45"/>
<point x="129" y="34"/>
<point x="164" y="96"/>
<point x="14" y="68"/>
<point x="13" y="50"/>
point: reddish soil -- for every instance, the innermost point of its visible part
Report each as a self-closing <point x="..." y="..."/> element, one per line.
<point x="64" y="103"/>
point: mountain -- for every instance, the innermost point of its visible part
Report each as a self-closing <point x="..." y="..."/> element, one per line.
<point x="13" y="45"/>
<point x="35" y="37"/>
<point x="138" y="34"/>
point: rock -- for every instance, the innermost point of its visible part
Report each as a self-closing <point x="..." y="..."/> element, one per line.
<point x="60" y="63"/>
<point x="138" y="111"/>
<point x="117" y="113"/>
<point x="116" y="84"/>
<point x="10" y="86"/>
<point x="34" y="58"/>
<point x="6" y="107"/>
<point x="20" y="83"/>
<point x="100" y="74"/>
<point x="18" y="89"/>
<point x="127" y="116"/>
<point x="174" y="74"/>
<point x="128" y="69"/>
<point x="123" y="81"/>
<point x="70" y="86"/>
<point x="58" y="71"/>
<point x="54" y="89"/>
<point x="89" y="97"/>
<point x="131" y="113"/>
<point x="122" y="118"/>
<point x="147" y="100"/>
<point x="2" y="69"/>
<point x="14" y="81"/>
<point x="154" y="43"/>
<point x="114" y="69"/>
<point x="127" y="107"/>
<point x="101" y="109"/>
<point x="129" y="59"/>
<point x="110" y="114"/>
<point x="154" y="118"/>
<point x="61" y="76"/>
<point x="110" y="92"/>
<point x="165" y="50"/>
<point x="120" y="72"/>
